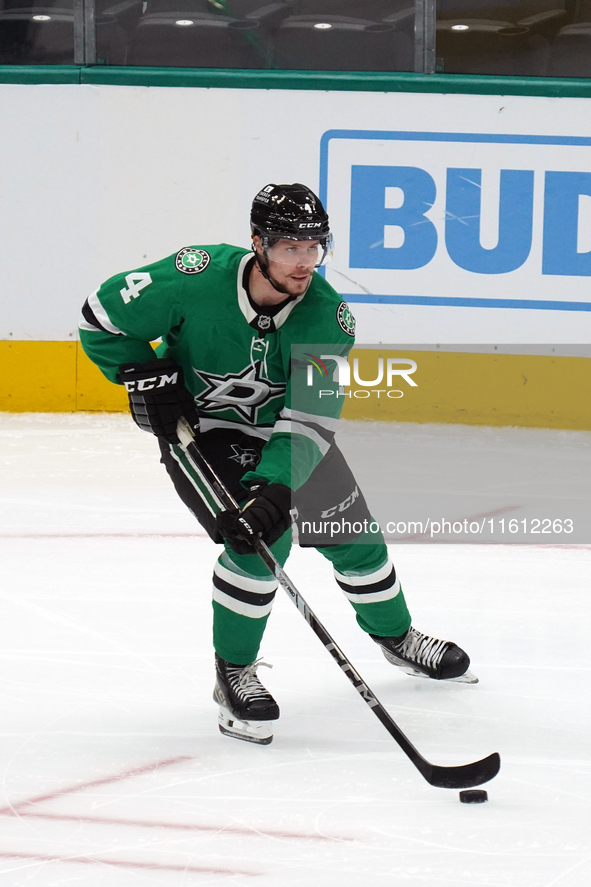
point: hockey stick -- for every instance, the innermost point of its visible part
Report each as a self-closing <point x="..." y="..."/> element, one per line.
<point x="465" y="776"/>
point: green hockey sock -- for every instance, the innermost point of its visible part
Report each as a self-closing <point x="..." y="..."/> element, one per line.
<point x="368" y="580"/>
<point x="243" y="594"/>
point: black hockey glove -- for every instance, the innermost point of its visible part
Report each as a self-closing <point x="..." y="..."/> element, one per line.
<point x="265" y="516"/>
<point x="158" y="397"/>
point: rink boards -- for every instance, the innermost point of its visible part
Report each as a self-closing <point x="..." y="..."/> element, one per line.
<point x="458" y="219"/>
<point x="487" y="388"/>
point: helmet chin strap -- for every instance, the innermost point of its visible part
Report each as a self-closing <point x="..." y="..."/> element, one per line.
<point x="264" y="269"/>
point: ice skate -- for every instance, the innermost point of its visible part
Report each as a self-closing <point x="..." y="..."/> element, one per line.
<point x="427" y="657"/>
<point x="247" y="709"/>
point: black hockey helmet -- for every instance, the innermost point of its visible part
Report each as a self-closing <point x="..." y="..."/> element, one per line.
<point x="289" y="211"/>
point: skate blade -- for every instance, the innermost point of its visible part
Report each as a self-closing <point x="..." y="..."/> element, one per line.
<point x="467" y="678"/>
<point x="259" y="732"/>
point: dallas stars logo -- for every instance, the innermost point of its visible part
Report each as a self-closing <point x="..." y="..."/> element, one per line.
<point x="245" y="392"/>
<point x="244" y="456"/>
<point x="191" y="260"/>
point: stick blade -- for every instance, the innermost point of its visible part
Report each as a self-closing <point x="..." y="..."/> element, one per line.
<point x="465" y="776"/>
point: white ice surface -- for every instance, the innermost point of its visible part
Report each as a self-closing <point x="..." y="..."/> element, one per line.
<point x="112" y="767"/>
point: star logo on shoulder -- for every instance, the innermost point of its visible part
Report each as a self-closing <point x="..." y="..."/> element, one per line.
<point x="244" y="392"/>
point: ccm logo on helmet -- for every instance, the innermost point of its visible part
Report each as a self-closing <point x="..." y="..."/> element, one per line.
<point x="310" y="224"/>
<point x="155" y="382"/>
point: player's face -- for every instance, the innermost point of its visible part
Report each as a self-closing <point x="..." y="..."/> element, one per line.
<point x="292" y="263"/>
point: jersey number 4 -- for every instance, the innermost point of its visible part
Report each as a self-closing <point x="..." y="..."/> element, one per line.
<point x="135" y="284"/>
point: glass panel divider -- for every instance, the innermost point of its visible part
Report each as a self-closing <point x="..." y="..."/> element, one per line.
<point x="79" y="32"/>
<point x="89" y="32"/>
<point x="425" y="36"/>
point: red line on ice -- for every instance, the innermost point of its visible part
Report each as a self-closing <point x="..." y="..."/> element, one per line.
<point x="555" y="545"/>
<point x="122" y="863"/>
<point x="20" y="809"/>
<point x="146" y="535"/>
<point x="15" y="809"/>
<point x="179" y="826"/>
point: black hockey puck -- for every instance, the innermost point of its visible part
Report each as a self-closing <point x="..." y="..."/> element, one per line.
<point x="475" y="796"/>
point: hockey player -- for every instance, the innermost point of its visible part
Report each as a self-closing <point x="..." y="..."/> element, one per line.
<point x="236" y="326"/>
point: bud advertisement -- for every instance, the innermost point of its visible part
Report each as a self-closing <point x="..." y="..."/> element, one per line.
<point x="459" y="219"/>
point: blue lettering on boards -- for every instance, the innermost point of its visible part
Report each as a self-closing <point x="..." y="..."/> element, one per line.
<point x="369" y="216"/>
<point x="463" y="215"/>
<point x="561" y="224"/>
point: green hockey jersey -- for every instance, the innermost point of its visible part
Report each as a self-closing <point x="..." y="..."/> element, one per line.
<point x="266" y="370"/>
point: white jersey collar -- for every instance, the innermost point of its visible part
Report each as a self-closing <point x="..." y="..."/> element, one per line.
<point x="244" y="303"/>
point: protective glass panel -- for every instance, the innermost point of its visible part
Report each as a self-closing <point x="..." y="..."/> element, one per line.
<point x="37" y="32"/>
<point x="520" y="38"/>
<point x="320" y="35"/>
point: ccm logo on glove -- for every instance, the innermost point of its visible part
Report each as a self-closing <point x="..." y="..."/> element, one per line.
<point x="151" y="383"/>
<point x="158" y="397"/>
